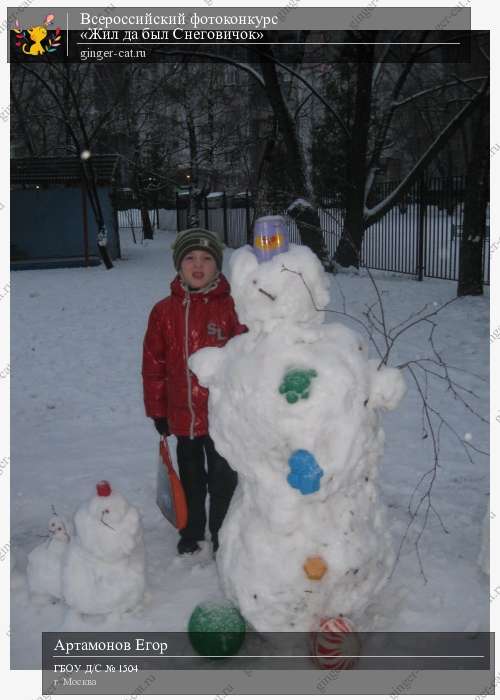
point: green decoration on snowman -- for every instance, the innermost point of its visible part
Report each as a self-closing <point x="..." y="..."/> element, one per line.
<point x="296" y="384"/>
<point x="216" y="628"/>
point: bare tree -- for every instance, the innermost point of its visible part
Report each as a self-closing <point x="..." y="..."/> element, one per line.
<point x="304" y="213"/>
<point x="476" y="199"/>
<point x="70" y="110"/>
<point x="367" y="138"/>
<point x="365" y="162"/>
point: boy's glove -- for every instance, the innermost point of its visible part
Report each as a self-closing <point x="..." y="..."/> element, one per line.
<point x="161" y="425"/>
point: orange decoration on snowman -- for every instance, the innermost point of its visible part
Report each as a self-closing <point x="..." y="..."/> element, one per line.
<point x="315" y="568"/>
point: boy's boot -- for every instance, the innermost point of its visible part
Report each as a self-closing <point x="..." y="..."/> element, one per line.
<point x="215" y="543"/>
<point x="187" y="545"/>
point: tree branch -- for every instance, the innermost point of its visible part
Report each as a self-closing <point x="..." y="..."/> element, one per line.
<point x="377" y="212"/>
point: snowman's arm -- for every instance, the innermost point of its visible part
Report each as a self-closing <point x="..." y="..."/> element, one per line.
<point x="206" y="363"/>
<point x="387" y="386"/>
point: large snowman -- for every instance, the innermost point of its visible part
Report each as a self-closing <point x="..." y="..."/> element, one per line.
<point x="293" y="407"/>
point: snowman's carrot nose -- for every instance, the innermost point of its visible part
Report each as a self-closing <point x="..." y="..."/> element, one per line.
<point x="270" y="296"/>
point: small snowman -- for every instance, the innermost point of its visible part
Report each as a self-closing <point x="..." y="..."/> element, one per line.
<point x="104" y="570"/>
<point x="17" y="580"/>
<point x="294" y="407"/>
<point x="45" y="562"/>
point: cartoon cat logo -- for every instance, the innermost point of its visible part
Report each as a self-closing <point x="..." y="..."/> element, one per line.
<point x="38" y="34"/>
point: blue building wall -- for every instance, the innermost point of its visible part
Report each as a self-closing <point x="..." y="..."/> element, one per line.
<point x="48" y="223"/>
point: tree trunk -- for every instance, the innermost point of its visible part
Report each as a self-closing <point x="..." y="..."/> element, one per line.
<point x="349" y="248"/>
<point x="470" y="276"/>
<point x="147" y="229"/>
<point x="263" y="139"/>
<point x="306" y="217"/>
<point x="193" y="217"/>
<point x="194" y="194"/>
<point x="311" y="233"/>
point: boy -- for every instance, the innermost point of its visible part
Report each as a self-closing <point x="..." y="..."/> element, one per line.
<point x="199" y="313"/>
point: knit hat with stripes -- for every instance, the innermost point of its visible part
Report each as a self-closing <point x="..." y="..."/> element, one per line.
<point x="197" y="239"/>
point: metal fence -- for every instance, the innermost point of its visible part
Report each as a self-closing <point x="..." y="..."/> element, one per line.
<point x="132" y="219"/>
<point x="419" y="236"/>
<point x="231" y="216"/>
<point x="128" y="212"/>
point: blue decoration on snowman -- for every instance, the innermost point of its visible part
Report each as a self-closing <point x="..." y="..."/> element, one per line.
<point x="305" y="472"/>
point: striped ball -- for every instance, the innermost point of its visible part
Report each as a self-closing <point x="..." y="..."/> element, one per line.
<point x="334" y="640"/>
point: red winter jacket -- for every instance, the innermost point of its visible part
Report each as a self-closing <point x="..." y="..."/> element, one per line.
<point x="178" y="326"/>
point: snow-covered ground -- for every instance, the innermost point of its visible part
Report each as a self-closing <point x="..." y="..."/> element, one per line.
<point x="77" y="418"/>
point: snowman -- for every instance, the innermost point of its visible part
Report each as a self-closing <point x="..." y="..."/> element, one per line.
<point x="17" y="580"/>
<point x="294" y="408"/>
<point x="45" y="562"/>
<point x="104" y="570"/>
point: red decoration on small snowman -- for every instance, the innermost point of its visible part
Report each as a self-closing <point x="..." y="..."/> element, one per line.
<point x="335" y="644"/>
<point x="103" y="488"/>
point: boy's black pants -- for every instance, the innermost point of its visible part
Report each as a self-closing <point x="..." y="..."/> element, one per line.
<point x="219" y="480"/>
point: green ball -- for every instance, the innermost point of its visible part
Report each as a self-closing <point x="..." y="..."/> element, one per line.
<point x="216" y="628"/>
